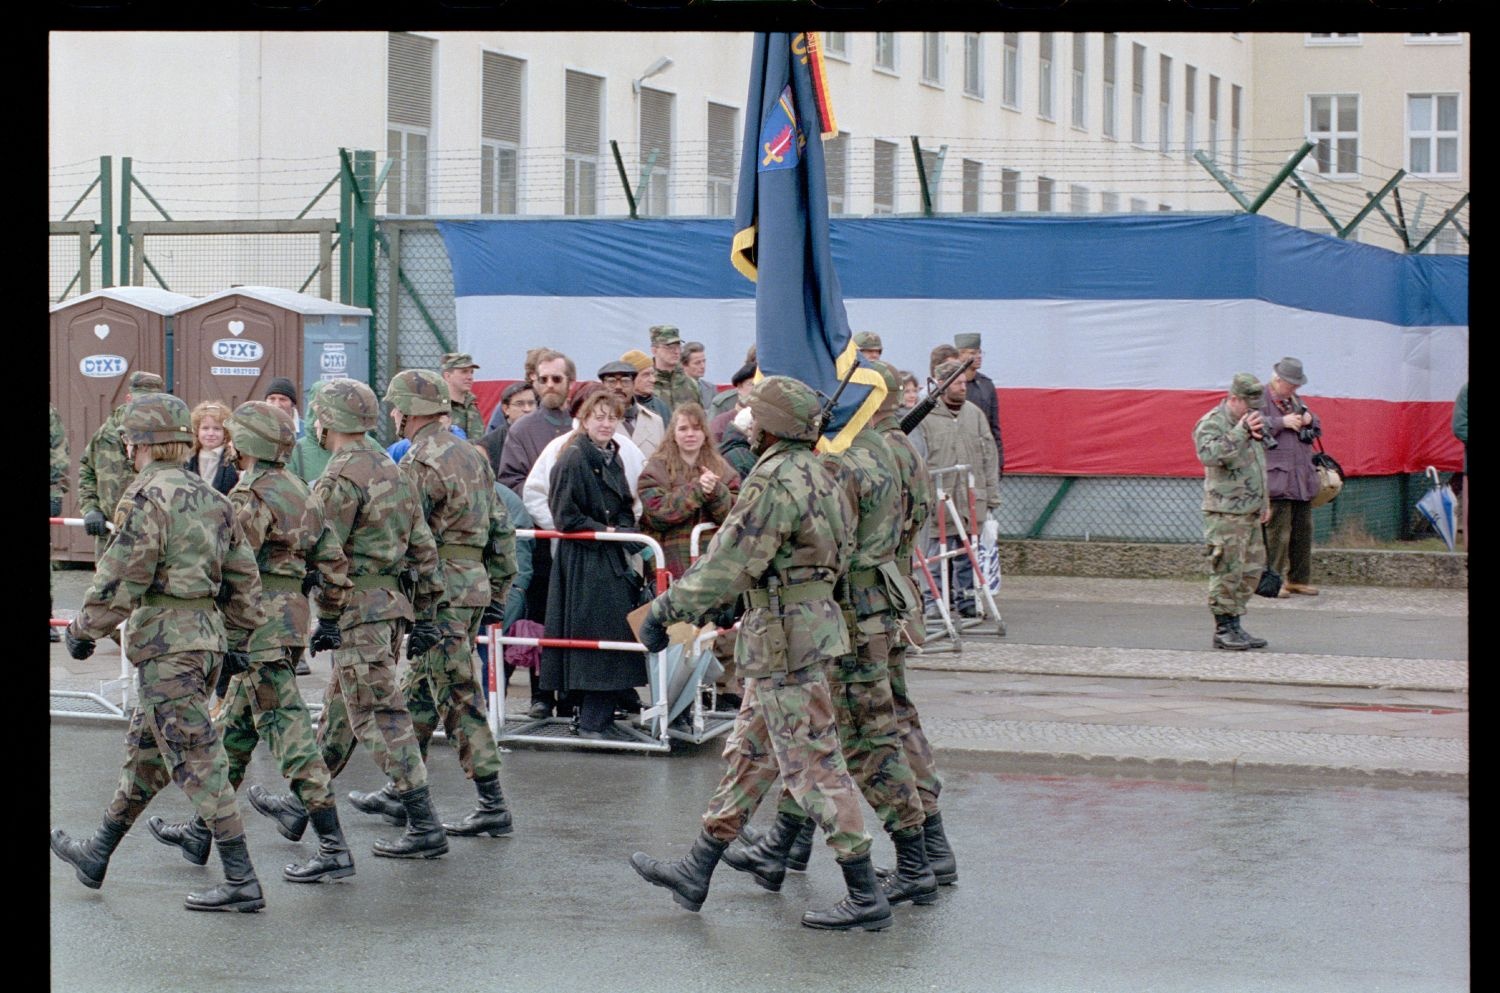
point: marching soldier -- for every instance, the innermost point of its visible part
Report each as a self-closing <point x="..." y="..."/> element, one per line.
<point x="783" y="545"/>
<point x="177" y="551"/>
<point x="276" y="512"/>
<point x="476" y="546"/>
<point x="104" y="470"/>
<point x="59" y="470"/>
<point x="372" y="529"/>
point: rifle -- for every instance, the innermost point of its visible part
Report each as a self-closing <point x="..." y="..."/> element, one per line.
<point x="919" y="413"/>
<point x="827" y="411"/>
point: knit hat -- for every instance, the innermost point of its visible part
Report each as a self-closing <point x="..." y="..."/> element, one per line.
<point x="283" y="387"/>
<point x="638" y="359"/>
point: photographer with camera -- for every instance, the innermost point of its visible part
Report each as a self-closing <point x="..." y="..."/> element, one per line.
<point x="1291" y="477"/>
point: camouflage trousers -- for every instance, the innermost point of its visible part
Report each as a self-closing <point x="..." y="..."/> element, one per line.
<point x="442" y="684"/>
<point x="913" y="739"/>
<point x="263" y="703"/>
<point x="364" y="703"/>
<point x="1236" y="557"/>
<point x="172" y="739"/>
<point x="786" y="726"/>
<point x="869" y="735"/>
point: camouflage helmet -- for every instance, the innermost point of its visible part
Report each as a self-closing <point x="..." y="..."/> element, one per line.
<point x="153" y="418"/>
<point x="262" y="431"/>
<point x="418" y="391"/>
<point x="894" y="388"/>
<point x="786" y="408"/>
<point x="346" y="406"/>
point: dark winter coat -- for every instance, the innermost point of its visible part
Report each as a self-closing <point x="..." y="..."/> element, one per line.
<point x="224" y="477"/>
<point x="1290" y="473"/>
<point x="592" y="586"/>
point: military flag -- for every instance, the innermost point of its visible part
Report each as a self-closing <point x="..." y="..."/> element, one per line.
<point x="781" y="237"/>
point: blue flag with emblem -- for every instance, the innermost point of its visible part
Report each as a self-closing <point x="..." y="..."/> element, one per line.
<point x="781" y="236"/>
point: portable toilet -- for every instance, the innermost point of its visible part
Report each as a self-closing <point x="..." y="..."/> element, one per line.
<point x="97" y="340"/>
<point x="230" y="346"/>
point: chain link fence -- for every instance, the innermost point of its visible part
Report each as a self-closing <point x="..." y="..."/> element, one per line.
<point x="415" y="319"/>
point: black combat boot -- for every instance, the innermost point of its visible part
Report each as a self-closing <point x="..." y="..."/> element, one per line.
<point x="865" y="906"/>
<point x="193" y="837"/>
<point x="939" y="852"/>
<point x="688" y="877"/>
<point x="332" y="861"/>
<point x="90" y="859"/>
<point x="424" y="837"/>
<point x="913" y="879"/>
<point x="764" y="855"/>
<point x="283" y="808"/>
<point x="801" y="850"/>
<point x="384" y="801"/>
<point x="491" y="817"/>
<point x="1226" y="635"/>
<point x="240" y="890"/>
<point x="1250" y="639"/>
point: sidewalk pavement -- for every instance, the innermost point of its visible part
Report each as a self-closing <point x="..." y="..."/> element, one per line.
<point x="1119" y="676"/>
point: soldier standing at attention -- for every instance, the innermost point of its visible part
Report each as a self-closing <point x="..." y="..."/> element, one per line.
<point x="458" y="374"/>
<point x="281" y="523"/>
<point x="782" y="546"/>
<point x="1235" y="499"/>
<point x="673" y="385"/>
<point x="874" y="596"/>
<point x="59" y="469"/>
<point x="477" y="548"/>
<point x="181" y="571"/>
<point x="104" y="470"/>
<point x="372" y="527"/>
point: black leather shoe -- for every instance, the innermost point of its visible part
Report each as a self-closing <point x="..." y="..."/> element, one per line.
<point x="913" y="879"/>
<point x="491" y="817"/>
<point x="192" y="836"/>
<point x="688" y="877"/>
<point x="801" y="850"/>
<point x="864" y="907"/>
<point x="424" y="837"/>
<point x="285" y="809"/>
<point x="1250" y="639"/>
<point x="90" y="859"/>
<point x="333" y="859"/>
<point x="1226" y="635"/>
<point x="240" y="890"/>
<point x="540" y="710"/>
<point x="939" y="852"/>
<point x="383" y="801"/>
<point x="764" y="857"/>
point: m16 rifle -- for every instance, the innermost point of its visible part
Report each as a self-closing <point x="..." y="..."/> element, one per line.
<point x="919" y="413"/>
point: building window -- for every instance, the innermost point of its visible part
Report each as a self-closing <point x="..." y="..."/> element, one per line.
<point x="1138" y="206"/>
<point x="932" y="57"/>
<point x="656" y="140"/>
<point x="1164" y="106"/>
<point x="1138" y="94"/>
<point x="1010" y="190"/>
<point x="973" y="177"/>
<point x="836" y="164"/>
<point x="1236" y="162"/>
<point x="1333" y="127"/>
<point x="1010" y="82"/>
<point x="1044" y="76"/>
<point x="974" y="64"/>
<point x="1432" y="134"/>
<point x="932" y="174"/>
<point x="836" y="44"/>
<point x="1333" y="38"/>
<point x="1107" y="114"/>
<point x="1213" y="117"/>
<point x="1078" y="199"/>
<point x="723" y="140"/>
<point x="1189" y="111"/>
<point x="1109" y="203"/>
<point x="1044" y="194"/>
<point x="1080" y="79"/>
<point x="885" y="50"/>
<point x="500" y="134"/>
<point x="885" y="178"/>
<point x="583" y="102"/>
<point x="409" y="121"/>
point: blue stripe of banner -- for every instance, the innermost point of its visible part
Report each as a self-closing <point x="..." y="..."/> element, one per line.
<point x="1146" y="257"/>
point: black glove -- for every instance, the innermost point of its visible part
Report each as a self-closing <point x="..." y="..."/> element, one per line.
<point x="236" y="662"/>
<point x="654" y="631"/>
<point x="79" y="648"/>
<point x="424" y="636"/>
<point x="93" y="523"/>
<point x="326" y="636"/>
<point x="727" y="616"/>
<point x="56" y="507"/>
<point x="311" y="581"/>
<point x="493" y="614"/>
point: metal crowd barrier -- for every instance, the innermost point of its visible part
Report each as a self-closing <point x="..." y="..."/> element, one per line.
<point x="99" y="706"/>
<point x="946" y="625"/>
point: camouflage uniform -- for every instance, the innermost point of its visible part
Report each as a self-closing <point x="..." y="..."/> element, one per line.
<point x="103" y="474"/>
<point x="59" y="486"/>
<point x="1234" y="497"/>
<point x="676" y="387"/>
<point x="466" y="415"/>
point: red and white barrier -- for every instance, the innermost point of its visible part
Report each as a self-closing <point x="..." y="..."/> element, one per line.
<point x="111" y="710"/>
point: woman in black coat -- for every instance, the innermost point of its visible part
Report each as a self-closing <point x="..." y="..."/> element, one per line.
<point x="211" y="457"/>
<point x="592" y="586"/>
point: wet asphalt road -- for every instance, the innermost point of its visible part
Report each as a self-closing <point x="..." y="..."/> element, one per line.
<point x="1067" y="883"/>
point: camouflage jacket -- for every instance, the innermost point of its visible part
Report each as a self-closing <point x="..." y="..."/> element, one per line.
<point x="916" y="487"/>
<point x="175" y="537"/>
<point x="791" y="521"/>
<point x="59" y="466"/>
<point x="466" y="415"/>
<point x="676" y="388"/>
<point x="103" y="469"/>
<point x="281" y="524"/>
<point x="1234" y="481"/>
<point x="372" y="527"/>
<point x="867" y="473"/>
<point x="669" y="513"/>
<point x="456" y="487"/>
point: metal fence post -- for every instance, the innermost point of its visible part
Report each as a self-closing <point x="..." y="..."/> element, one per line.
<point x="393" y="289"/>
<point x="106" y="221"/>
<point x="124" y="220"/>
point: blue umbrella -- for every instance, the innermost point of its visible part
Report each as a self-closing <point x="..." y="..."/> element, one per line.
<point x="1437" y="505"/>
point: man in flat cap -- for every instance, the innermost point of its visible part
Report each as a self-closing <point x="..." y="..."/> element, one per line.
<point x="641" y="424"/>
<point x="458" y="372"/>
<point x="104" y="470"/>
<point x="1229" y="440"/>
<point x="981" y="389"/>
<point x="673" y="385"/>
<point x="1291" y="477"/>
<point x="869" y="345"/>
